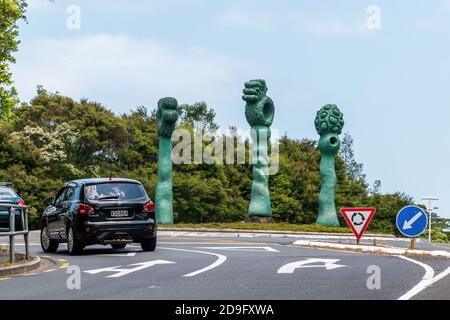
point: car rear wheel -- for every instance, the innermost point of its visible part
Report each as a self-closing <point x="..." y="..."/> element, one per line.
<point x="148" y="244"/>
<point x="48" y="245"/>
<point x="118" y="246"/>
<point x="74" y="246"/>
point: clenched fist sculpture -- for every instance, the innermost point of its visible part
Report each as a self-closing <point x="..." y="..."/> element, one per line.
<point x="259" y="112"/>
<point x="166" y="118"/>
<point x="329" y="124"/>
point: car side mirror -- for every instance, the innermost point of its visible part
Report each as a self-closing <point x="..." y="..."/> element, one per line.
<point x="48" y="202"/>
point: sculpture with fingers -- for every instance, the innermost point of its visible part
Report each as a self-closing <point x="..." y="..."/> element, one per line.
<point x="259" y="112"/>
<point x="329" y="124"/>
<point x="166" y="118"/>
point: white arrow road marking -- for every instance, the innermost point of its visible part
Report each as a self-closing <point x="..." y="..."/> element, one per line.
<point x="328" y="264"/>
<point x="257" y="249"/>
<point x="122" y="272"/>
<point x="408" y="224"/>
<point x="221" y="259"/>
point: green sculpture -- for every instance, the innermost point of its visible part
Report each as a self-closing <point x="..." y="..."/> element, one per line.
<point x="166" y="118"/>
<point x="259" y="112"/>
<point x="329" y="123"/>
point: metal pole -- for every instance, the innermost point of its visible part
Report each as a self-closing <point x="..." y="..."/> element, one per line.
<point x="429" y="221"/>
<point x="12" y="229"/>
<point x="412" y="245"/>
<point x="25" y="236"/>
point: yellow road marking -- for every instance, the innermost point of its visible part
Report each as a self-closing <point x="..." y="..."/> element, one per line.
<point x="7" y="278"/>
<point x="50" y="270"/>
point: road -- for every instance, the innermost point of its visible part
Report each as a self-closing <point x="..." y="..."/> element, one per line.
<point x="189" y="267"/>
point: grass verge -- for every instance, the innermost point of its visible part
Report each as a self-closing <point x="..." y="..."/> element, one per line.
<point x="263" y="226"/>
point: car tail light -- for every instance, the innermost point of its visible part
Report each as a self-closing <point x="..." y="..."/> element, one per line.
<point x="149" y="207"/>
<point x="21" y="203"/>
<point x="85" y="209"/>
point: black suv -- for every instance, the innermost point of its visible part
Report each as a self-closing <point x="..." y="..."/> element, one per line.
<point x="99" y="211"/>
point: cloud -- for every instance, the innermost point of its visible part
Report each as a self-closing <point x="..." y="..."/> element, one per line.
<point x="248" y="20"/>
<point x="122" y="71"/>
<point x="327" y="26"/>
<point x="297" y="21"/>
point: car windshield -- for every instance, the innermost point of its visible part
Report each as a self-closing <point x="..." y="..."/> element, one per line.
<point x="114" y="191"/>
<point x="7" y="193"/>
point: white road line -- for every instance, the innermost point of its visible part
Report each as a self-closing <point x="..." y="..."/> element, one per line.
<point x="220" y="259"/>
<point x="426" y="281"/>
<point x="232" y="248"/>
<point x="202" y="243"/>
<point x="441" y="275"/>
<point x="129" y="254"/>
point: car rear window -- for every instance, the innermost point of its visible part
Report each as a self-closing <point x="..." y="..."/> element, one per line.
<point x="7" y="193"/>
<point x="114" y="191"/>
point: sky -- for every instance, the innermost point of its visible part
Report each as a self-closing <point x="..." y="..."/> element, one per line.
<point x="385" y="63"/>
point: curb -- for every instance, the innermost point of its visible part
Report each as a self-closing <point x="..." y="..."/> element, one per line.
<point x="21" y="268"/>
<point x="371" y="249"/>
<point x="271" y="233"/>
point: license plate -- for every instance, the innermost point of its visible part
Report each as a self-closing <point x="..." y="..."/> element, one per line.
<point x="119" y="213"/>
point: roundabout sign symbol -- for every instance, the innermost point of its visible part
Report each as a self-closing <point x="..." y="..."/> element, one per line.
<point x="358" y="219"/>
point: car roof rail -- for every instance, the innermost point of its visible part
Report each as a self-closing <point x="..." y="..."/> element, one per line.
<point x="6" y="184"/>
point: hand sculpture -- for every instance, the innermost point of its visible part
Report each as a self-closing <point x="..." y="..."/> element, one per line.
<point x="329" y="124"/>
<point x="259" y="112"/>
<point x="166" y="118"/>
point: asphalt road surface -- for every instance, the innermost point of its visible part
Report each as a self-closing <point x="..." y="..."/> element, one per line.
<point x="227" y="268"/>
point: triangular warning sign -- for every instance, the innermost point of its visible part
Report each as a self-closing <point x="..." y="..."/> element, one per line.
<point x="358" y="219"/>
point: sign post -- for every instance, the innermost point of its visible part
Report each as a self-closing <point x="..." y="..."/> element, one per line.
<point x="358" y="220"/>
<point x="411" y="222"/>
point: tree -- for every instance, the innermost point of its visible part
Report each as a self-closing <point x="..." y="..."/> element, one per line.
<point x="199" y="112"/>
<point x="376" y="188"/>
<point x="352" y="168"/>
<point x="11" y="11"/>
<point x="55" y="138"/>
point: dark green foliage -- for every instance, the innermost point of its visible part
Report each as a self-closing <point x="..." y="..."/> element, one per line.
<point x="55" y="138"/>
<point x="11" y="11"/>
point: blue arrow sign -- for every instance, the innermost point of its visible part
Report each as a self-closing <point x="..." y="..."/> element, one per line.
<point x="412" y="221"/>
